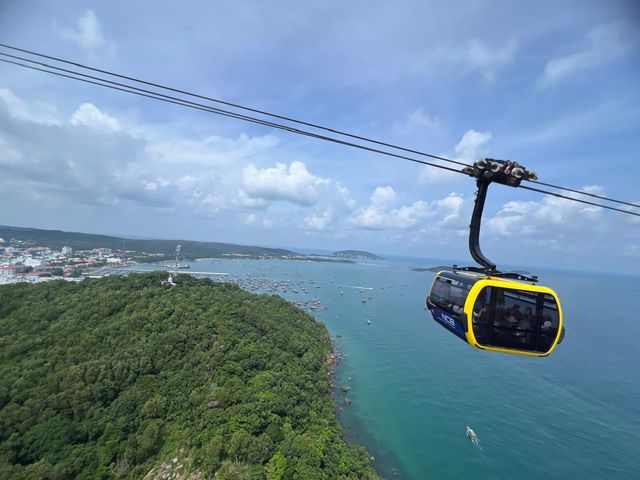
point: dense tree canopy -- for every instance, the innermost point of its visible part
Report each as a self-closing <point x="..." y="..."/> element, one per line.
<point x="114" y="377"/>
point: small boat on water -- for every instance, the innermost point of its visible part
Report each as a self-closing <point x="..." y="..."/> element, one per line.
<point x="473" y="437"/>
<point x="470" y="433"/>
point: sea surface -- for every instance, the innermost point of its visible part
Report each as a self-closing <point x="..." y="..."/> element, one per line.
<point x="415" y="387"/>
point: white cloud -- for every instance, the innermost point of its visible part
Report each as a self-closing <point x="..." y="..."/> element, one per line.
<point x="470" y="148"/>
<point x="21" y="110"/>
<point x="88" y="34"/>
<point x="187" y="182"/>
<point x="554" y="227"/>
<point x="434" y="176"/>
<point x="212" y="202"/>
<point x="488" y="60"/>
<point x="448" y="208"/>
<point x="383" y="197"/>
<point x="551" y="218"/>
<point x="418" y="123"/>
<point x="212" y="150"/>
<point x="603" y="43"/>
<point x="245" y="201"/>
<point x="106" y="167"/>
<point x="203" y="193"/>
<point x="633" y="219"/>
<point x="8" y="155"/>
<point x="319" y="221"/>
<point x="112" y="164"/>
<point x="88" y="115"/>
<point x="465" y="57"/>
<point x="59" y="160"/>
<point x="252" y="220"/>
<point x="343" y="197"/>
<point x="293" y="184"/>
<point x="380" y="215"/>
<point x="153" y="185"/>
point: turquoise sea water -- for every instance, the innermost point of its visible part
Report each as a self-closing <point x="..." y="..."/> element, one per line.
<point x="575" y="414"/>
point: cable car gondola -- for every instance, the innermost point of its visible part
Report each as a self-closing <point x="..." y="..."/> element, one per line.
<point x="492" y="310"/>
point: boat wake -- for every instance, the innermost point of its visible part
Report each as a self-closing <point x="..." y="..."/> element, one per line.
<point x="357" y="287"/>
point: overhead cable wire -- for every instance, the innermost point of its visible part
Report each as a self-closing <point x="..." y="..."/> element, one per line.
<point x="186" y="103"/>
<point x="594" y="195"/>
<point x="578" y="200"/>
<point x="125" y="89"/>
<point x="286" y="118"/>
<point x="217" y="111"/>
<point x="236" y="105"/>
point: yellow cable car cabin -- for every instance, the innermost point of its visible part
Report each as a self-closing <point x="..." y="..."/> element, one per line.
<point x="492" y="310"/>
<point x="496" y="314"/>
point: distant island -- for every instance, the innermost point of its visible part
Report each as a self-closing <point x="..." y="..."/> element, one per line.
<point x="124" y="377"/>
<point x="429" y="269"/>
<point x="356" y="255"/>
<point x="449" y="267"/>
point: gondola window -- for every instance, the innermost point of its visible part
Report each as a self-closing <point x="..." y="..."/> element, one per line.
<point x="548" y="323"/>
<point x="450" y="294"/>
<point x="509" y="318"/>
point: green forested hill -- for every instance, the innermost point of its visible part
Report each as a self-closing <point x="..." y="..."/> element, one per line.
<point x="121" y="377"/>
<point x="83" y="241"/>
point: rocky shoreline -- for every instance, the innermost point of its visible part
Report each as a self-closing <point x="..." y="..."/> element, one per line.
<point x="333" y="359"/>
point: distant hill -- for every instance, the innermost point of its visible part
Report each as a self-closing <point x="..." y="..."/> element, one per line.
<point x="121" y="377"/>
<point x="430" y="269"/>
<point x="85" y="241"/>
<point x="356" y="255"/>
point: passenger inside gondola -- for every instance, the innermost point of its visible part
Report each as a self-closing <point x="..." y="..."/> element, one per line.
<point x="525" y="326"/>
<point x="450" y="295"/>
<point x="525" y="321"/>
<point x="483" y="313"/>
<point x="511" y="324"/>
<point x="507" y="318"/>
<point x="501" y="312"/>
<point x="515" y="316"/>
<point x="549" y="326"/>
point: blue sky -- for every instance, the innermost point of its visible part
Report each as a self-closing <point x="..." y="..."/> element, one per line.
<point x="553" y="85"/>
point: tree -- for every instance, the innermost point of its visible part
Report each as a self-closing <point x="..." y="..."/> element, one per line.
<point x="276" y="467"/>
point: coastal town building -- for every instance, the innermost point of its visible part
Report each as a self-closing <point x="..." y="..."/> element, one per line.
<point x="7" y="273"/>
<point x="34" y="262"/>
